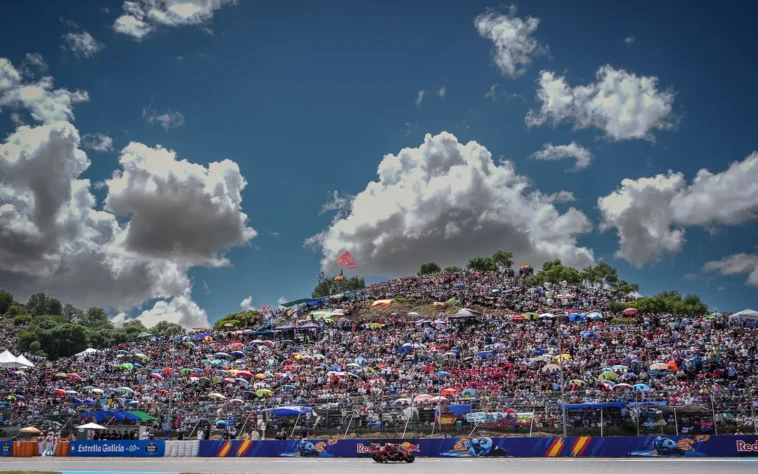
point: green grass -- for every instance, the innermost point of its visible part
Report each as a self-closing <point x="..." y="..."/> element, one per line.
<point x="31" y="472"/>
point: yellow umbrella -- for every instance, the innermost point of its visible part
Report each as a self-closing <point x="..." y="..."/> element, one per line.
<point x="30" y="429"/>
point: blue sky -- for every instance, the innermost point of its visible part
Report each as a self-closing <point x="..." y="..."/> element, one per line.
<point x="307" y="98"/>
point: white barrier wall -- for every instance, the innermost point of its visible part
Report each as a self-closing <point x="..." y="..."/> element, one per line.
<point x="182" y="449"/>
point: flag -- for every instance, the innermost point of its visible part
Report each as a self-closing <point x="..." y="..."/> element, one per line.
<point x="339" y="277"/>
<point x="347" y="260"/>
<point x="265" y="309"/>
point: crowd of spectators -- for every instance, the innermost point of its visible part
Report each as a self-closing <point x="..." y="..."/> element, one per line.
<point x="494" y="361"/>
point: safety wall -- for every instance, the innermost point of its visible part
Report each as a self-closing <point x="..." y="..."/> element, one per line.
<point x="580" y="446"/>
<point x="182" y="449"/>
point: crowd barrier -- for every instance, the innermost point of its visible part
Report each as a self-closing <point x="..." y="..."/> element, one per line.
<point x="573" y="446"/>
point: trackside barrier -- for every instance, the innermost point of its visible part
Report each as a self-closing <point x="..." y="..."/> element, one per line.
<point x="182" y="449"/>
<point x="575" y="446"/>
<point x="138" y="449"/>
<point x="578" y="446"/>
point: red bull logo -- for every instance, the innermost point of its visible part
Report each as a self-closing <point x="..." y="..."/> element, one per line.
<point x="363" y="449"/>
<point x="744" y="447"/>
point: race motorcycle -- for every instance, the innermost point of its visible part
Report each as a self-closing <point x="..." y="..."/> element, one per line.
<point x="390" y="452"/>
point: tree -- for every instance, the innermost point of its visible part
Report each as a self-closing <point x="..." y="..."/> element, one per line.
<point x="429" y="268"/>
<point x="15" y="310"/>
<point x="37" y="304"/>
<point x="72" y="313"/>
<point x="54" y="306"/>
<point x="165" y="328"/>
<point x="237" y="320"/>
<point x="481" y="264"/>
<point x="95" y="317"/>
<point x="452" y="269"/>
<point x="6" y="301"/>
<point x="502" y="260"/>
<point x="133" y="327"/>
<point x="330" y="287"/>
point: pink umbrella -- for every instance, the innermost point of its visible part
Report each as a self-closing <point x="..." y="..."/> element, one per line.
<point x="156" y="376"/>
<point x="631" y="311"/>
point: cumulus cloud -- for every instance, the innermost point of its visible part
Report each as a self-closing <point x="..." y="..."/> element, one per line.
<point x="491" y="94"/>
<point x="83" y="45"/>
<point x="582" y="155"/>
<point x="514" y="45"/>
<point x="167" y="120"/>
<point x="247" y="304"/>
<point x="621" y="104"/>
<point x="445" y="201"/>
<point x="178" y="210"/>
<point x="741" y="263"/>
<point x="53" y="237"/>
<point x="629" y="40"/>
<point x="141" y="17"/>
<point x="650" y="214"/>
<point x="41" y="99"/>
<point x="282" y="300"/>
<point x="97" y="142"/>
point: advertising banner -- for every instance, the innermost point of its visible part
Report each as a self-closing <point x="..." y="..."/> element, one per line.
<point x="134" y="449"/>
<point x="6" y="448"/>
<point x="574" y="446"/>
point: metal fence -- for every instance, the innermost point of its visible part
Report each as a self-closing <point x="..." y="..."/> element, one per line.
<point x="520" y="415"/>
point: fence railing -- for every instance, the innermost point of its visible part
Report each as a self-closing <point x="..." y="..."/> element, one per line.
<point x="522" y="414"/>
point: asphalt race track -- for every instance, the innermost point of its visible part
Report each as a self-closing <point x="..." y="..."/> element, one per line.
<point x="360" y="466"/>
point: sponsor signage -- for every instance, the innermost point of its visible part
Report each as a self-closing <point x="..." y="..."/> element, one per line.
<point x="117" y="448"/>
<point x="6" y="448"/>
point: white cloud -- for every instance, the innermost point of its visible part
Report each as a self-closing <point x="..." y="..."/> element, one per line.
<point x="41" y="99"/>
<point x="36" y="61"/>
<point x="441" y="92"/>
<point x="741" y="263"/>
<point x="97" y="142"/>
<point x="445" y="201"/>
<point x="650" y="214"/>
<point x="83" y="45"/>
<point x="629" y="40"/>
<point x="247" y="304"/>
<point x="514" y="45"/>
<point x="179" y="310"/>
<point x="490" y="94"/>
<point x="178" y="210"/>
<point x="623" y="105"/>
<point x="53" y="238"/>
<point x="338" y="203"/>
<point x="582" y="155"/>
<point x="141" y="17"/>
<point x="168" y="120"/>
<point x="282" y="300"/>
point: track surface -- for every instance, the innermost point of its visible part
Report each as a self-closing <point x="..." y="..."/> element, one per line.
<point x="365" y="466"/>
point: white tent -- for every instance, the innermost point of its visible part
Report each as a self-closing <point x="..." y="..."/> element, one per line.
<point x="91" y="426"/>
<point x="744" y="315"/>
<point x="24" y="361"/>
<point x="87" y="351"/>
<point x="9" y="361"/>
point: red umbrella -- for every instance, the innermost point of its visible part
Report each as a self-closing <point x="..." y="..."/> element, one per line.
<point x="59" y="391"/>
<point x="631" y="311"/>
<point x="167" y="370"/>
<point x="74" y="377"/>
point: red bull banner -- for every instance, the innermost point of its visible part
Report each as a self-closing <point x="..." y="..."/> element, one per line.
<point x="573" y="446"/>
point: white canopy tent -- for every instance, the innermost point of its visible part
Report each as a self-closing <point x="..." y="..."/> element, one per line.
<point x="9" y="361"/>
<point x="86" y="352"/>
<point x="91" y="426"/>
<point x="744" y="315"/>
<point x="24" y="361"/>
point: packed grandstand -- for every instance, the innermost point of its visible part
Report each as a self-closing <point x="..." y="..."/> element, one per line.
<point x="448" y="352"/>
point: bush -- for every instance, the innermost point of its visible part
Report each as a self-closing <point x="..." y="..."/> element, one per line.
<point x="400" y="298"/>
<point x="22" y="319"/>
<point x="624" y="321"/>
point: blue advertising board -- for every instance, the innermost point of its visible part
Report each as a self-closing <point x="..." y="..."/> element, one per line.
<point x="573" y="446"/>
<point x="6" y="448"/>
<point x="135" y="449"/>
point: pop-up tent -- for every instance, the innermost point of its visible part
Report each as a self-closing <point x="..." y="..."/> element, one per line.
<point x="744" y="315"/>
<point x="9" y="361"/>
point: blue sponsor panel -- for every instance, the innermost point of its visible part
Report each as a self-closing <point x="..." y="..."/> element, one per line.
<point x="6" y="448"/>
<point x="133" y="449"/>
<point x="575" y="446"/>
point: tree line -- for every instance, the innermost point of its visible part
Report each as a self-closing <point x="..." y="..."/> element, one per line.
<point x="49" y="328"/>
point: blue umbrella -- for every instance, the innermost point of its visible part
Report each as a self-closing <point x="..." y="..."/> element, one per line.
<point x="641" y="387"/>
<point x="238" y="354"/>
<point x="89" y="401"/>
<point x="469" y="391"/>
<point x="443" y="374"/>
<point x="485" y="354"/>
<point x="76" y="401"/>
